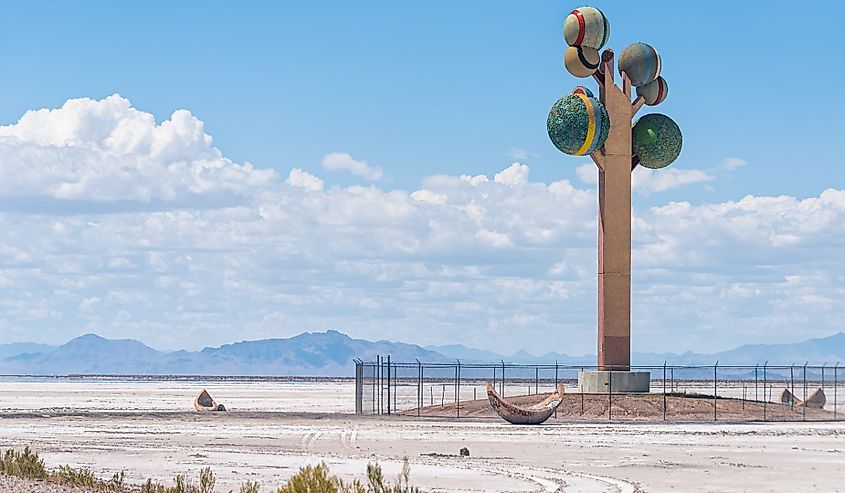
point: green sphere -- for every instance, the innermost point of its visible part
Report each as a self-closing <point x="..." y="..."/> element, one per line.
<point x="578" y="124"/>
<point x="656" y="140"/>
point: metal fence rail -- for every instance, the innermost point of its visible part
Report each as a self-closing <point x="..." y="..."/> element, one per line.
<point x="678" y="393"/>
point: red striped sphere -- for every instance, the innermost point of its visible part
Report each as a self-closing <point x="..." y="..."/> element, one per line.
<point x="583" y="90"/>
<point x="641" y="62"/>
<point x="581" y="61"/>
<point x="654" y="92"/>
<point x="586" y="26"/>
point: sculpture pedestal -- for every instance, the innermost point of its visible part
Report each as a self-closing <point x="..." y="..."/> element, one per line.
<point x="599" y="382"/>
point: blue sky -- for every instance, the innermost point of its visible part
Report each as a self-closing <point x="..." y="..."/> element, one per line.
<point x="415" y="91"/>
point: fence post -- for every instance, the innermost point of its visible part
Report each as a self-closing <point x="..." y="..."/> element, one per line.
<point x="715" y="389"/>
<point x="756" y="394"/>
<point x="375" y="385"/>
<point x="458" y="388"/>
<point x="664" y="390"/>
<point x="556" y="387"/>
<point x="419" y="387"/>
<point x="494" y="377"/>
<point x="765" y="384"/>
<point x="502" y="393"/>
<point x="388" y="385"/>
<point x="581" y="391"/>
<point x="536" y="380"/>
<point x="823" y="365"/>
<point x="359" y="387"/>
<point x="792" y="386"/>
<point x="835" y="384"/>
<point x="380" y="388"/>
<point x="804" y="407"/>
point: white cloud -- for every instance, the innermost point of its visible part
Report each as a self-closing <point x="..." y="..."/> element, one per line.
<point x="587" y="173"/>
<point x="514" y="175"/>
<point x="647" y="181"/>
<point x="107" y="150"/>
<point x="334" y="161"/>
<point x="505" y="262"/>
<point x="732" y="163"/>
<point x="304" y="179"/>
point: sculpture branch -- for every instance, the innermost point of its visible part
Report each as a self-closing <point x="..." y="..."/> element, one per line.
<point x="637" y="105"/>
<point x="599" y="76"/>
<point x="626" y="85"/>
<point x="598" y="158"/>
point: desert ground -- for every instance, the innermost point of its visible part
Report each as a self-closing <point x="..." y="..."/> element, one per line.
<point x="149" y="429"/>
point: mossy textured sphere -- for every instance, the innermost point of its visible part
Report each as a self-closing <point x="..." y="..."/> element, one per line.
<point x="578" y="124"/>
<point x="586" y="26"/>
<point x="641" y="62"/>
<point x="581" y="61"/>
<point x="657" y="140"/>
<point x="654" y="92"/>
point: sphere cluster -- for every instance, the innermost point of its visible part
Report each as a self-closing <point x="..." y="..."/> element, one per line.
<point x="578" y="124"/>
<point x="585" y="30"/>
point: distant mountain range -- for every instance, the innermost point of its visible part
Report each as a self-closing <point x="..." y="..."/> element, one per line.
<point x="331" y="353"/>
<point x="825" y="350"/>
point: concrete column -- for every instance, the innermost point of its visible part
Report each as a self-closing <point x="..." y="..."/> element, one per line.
<point x="614" y="237"/>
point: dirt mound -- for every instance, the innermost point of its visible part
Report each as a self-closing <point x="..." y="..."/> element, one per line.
<point x="642" y="407"/>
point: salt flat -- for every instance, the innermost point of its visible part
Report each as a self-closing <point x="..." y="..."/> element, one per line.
<point x="149" y="430"/>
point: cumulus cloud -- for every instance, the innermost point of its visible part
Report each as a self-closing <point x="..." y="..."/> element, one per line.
<point x="515" y="174"/>
<point x="587" y="173"/>
<point x="107" y="150"/>
<point x="334" y="161"/>
<point x="502" y="261"/>
<point x="647" y="181"/>
<point x="304" y="179"/>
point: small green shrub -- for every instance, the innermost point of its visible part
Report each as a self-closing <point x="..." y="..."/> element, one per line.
<point x="181" y="484"/>
<point x="207" y="481"/>
<point x="26" y="464"/>
<point x="75" y="477"/>
<point x="309" y="479"/>
<point x="312" y="479"/>
<point x="316" y="479"/>
<point x="376" y="483"/>
<point x="250" y="487"/>
<point x="116" y="482"/>
<point x="152" y="487"/>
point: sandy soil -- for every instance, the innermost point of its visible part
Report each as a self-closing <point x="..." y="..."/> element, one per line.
<point x="269" y="446"/>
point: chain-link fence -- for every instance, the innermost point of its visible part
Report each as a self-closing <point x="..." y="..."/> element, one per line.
<point x="678" y="393"/>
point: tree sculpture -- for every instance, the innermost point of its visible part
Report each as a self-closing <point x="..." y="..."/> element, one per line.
<point x="579" y="124"/>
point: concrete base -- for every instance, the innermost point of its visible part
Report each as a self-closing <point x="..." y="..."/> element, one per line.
<point x="599" y="382"/>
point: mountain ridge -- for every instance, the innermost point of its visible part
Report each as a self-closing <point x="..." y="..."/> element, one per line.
<point x="331" y="353"/>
